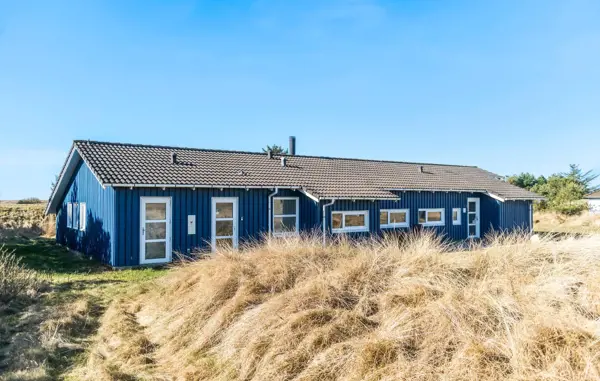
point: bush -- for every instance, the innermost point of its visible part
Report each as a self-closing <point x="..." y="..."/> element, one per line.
<point x="572" y="208"/>
<point x="563" y="191"/>
<point x="30" y="200"/>
<point x="16" y="282"/>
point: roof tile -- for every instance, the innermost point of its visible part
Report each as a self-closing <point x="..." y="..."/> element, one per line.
<point x="324" y="177"/>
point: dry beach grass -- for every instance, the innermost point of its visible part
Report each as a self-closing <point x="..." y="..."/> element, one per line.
<point x="51" y="302"/>
<point x="25" y="219"/>
<point x="585" y="223"/>
<point x="293" y="310"/>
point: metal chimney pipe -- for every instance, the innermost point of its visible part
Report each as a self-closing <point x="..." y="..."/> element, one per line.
<point x="292" y="147"/>
<point x="173" y="158"/>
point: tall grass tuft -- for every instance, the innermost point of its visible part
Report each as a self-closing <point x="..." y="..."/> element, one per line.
<point x="411" y="309"/>
<point x="16" y="282"/>
<point x="26" y="219"/>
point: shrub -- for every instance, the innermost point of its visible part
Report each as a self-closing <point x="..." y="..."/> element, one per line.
<point x="574" y="208"/>
<point x="30" y="200"/>
<point x="563" y="191"/>
<point x="16" y="281"/>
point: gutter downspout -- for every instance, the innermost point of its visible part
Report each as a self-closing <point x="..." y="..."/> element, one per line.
<point x="324" y="219"/>
<point x="270" y="208"/>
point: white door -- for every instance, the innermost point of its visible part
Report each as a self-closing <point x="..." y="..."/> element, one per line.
<point x="473" y="214"/>
<point x="224" y="222"/>
<point x="155" y="224"/>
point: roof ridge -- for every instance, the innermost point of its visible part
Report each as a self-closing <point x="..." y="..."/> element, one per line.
<point x="262" y="153"/>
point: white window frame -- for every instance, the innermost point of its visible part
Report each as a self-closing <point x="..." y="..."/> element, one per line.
<point x="432" y="210"/>
<point x="459" y="213"/>
<point x="70" y="215"/>
<point x="169" y="228"/>
<point x="352" y="229"/>
<point x="477" y="222"/>
<point x="82" y="216"/>
<point x="297" y="215"/>
<point x="235" y="237"/>
<point x="398" y="224"/>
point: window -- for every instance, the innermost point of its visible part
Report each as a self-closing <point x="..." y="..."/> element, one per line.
<point x="456" y="215"/>
<point x="431" y="217"/>
<point x="70" y="215"/>
<point x="82" y="216"/>
<point x="285" y="215"/>
<point x="393" y="218"/>
<point x="352" y="221"/>
<point x="75" y="215"/>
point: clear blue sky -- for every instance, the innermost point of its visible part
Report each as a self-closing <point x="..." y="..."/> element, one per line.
<point x="509" y="86"/>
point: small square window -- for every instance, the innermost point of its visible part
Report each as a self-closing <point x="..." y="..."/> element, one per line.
<point x="456" y="216"/>
<point x="393" y="218"/>
<point x="336" y="220"/>
<point x="383" y="217"/>
<point x="431" y="217"/>
<point x="350" y="221"/>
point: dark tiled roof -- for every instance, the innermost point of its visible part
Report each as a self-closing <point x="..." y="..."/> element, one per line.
<point x="593" y="195"/>
<point x="323" y="177"/>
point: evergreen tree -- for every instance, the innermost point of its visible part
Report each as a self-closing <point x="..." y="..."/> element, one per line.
<point x="524" y="180"/>
<point x="563" y="191"/>
<point x="584" y="179"/>
<point x="275" y="149"/>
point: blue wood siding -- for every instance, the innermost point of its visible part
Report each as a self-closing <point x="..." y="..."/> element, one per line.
<point x="413" y="201"/>
<point x="98" y="239"/>
<point x="253" y="223"/>
<point x="113" y="231"/>
<point x="515" y="215"/>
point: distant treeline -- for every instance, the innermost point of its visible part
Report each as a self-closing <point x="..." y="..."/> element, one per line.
<point x="563" y="191"/>
<point x="30" y="200"/>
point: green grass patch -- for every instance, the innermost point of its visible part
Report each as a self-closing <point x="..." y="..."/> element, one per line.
<point x="46" y="337"/>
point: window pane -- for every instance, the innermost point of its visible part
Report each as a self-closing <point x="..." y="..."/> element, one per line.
<point x="472" y="230"/>
<point x="454" y="215"/>
<point x="69" y="215"/>
<point x="156" y="230"/>
<point x="284" y="224"/>
<point x="284" y="206"/>
<point x="224" y="228"/>
<point x="398" y="218"/>
<point x="224" y="209"/>
<point x="354" y="220"/>
<point x="156" y="250"/>
<point x="336" y="220"/>
<point x="156" y="211"/>
<point x="224" y="243"/>
<point x="472" y="206"/>
<point x="434" y="217"/>
<point x="82" y="216"/>
<point x="75" y="216"/>
<point x="383" y="218"/>
<point x="472" y="218"/>
<point x="422" y="216"/>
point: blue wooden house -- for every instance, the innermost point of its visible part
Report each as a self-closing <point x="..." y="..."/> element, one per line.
<point x="131" y="205"/>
